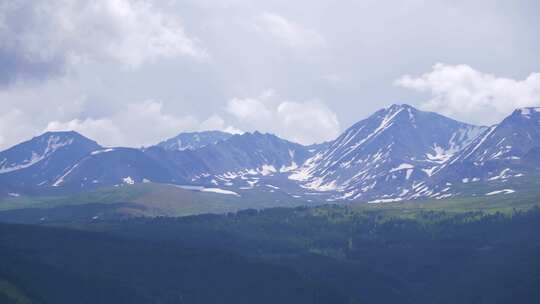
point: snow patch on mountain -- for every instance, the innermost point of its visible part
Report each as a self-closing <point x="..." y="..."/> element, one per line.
<point x="267" y="169"/>
<point x="128" y="180"/>
<point x="402" y="167"/>
<point x="60" y="180"/>
<point x="204" y="189"/>
<point x="53" y="144"/>
<point x="503" y="191"/>
<point x="101" y="151"/>
<point x="386" y="153"/>
<point x="220" y="191"/>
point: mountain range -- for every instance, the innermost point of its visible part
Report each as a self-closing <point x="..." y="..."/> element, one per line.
<point x="398" y="153"/>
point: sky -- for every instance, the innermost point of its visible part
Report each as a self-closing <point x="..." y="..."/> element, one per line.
<point x="133" y="72"/>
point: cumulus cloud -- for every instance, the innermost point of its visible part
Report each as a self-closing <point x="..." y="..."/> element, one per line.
<point x="102" y="130"/>
<point x="145" y="123"/>
<point x="131" y="32"/>
<point x="308" y="122"/>
<point x="138" y="124"/>
<point x="304" y="122"/>
<point x="135" y="124"/>
<point x="26" y="109"/>
<point x="249" y="110"/>
<point x="288" y="32"/>
<point x="216" y="122"/>
<point x="128" y="122"/>
<point x="468" y="94"/>
<point x="108" y="54"/>
<point x="14" y="125"/>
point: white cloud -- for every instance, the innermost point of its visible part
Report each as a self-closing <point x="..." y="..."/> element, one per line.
<point x="307" y="122"/>
<point x="304" y="122"/>
<point x="250" y="110"/>
<point x="215" y="122"/>
<point x="26" y="109"/>
<point x="288" y="32"/>
<point x="128" y="31"/>
<point x="465" y="93"/>
<point x="103" y="130"/>
<point x="14" y="126"/>
<point x="139" y="124"/>
<point x="135" y="124"/>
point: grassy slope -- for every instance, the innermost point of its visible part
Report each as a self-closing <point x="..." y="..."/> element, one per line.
<point x="161" y="199"/>
<point x="108" y="195"/>
<point x="169" y="200"/>
<point x="474" y="198"/>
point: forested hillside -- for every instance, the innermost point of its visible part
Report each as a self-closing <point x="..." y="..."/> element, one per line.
<point x="326" y="254"/>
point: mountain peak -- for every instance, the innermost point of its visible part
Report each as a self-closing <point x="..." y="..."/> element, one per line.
<point x="398" y="146"/>
<point x="395" y="109"/>
<point x="193" y="140"/>
<point x="521" y="116"/>
<point x="393" y="115"/>
<point x="257" y="135"/>
<point x="509" y="140"/>
<point x="206" y="132"/>
<point x="64" y="145"/>
<point x="397" y="106"/>
<point x="51" y="140"/>
<point x="527" y="111"/>
<point x="60" y="134"/>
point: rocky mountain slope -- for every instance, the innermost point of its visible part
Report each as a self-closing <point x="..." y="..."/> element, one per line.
<point x="386" y="155"/>
<point x="398" y="153"/>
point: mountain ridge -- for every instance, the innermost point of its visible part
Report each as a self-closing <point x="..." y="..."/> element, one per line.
<point x="397" y="153"/>
<point x="193" y="140"/>
<point x="397" y="142"/>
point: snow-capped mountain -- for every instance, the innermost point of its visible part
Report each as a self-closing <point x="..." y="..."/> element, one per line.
<point x="41" y="159"/>
<point x="386" y="155"/>
<point x="249" y="154"/>
<point x="238" y="159"/>
<point x="512" y="139"/>
<point x="193" y="140"/>
<point x="252" y="151"/>
<point x="398" y="153"/>
<point x="509" y="149"/>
